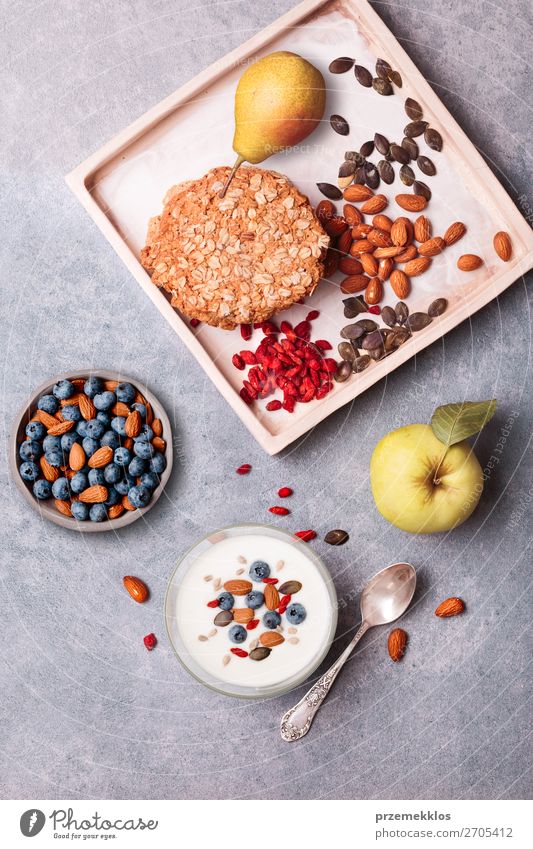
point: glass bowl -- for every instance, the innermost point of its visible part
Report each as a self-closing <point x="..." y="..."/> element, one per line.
<point x="216" y="552"/>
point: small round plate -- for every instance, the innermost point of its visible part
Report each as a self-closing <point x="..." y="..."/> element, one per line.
<point x="46" y="508"/>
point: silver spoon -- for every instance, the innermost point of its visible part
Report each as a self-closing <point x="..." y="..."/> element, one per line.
<point x="386" y="596"/>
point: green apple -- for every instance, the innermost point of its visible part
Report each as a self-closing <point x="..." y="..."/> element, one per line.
<point x="421" y="486"/>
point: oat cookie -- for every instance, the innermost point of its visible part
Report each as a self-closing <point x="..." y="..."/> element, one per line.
<point x="238" y="259"/>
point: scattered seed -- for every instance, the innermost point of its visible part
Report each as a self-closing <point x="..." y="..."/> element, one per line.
<point x="353" y="306"/>
<point x="363" y="76"/>
<point x="382" y="69"/>
<point x="360" y="175"/>
<point x="411" y="147"/>
<point x="352" y="331"/>
<point x="381" y="144"/>
<point x="336" y="537"/>
<point x="254" y="644"/>
<point x="330" y="191"/>
<point x="223" y="618"/>
<point x="407" y="175"/>
<point x="382" y="86"/>
<point x="284" y="492"/>
<point x="373" y="341"/>
<point x="354" y="156"/>
<point x="212" y="632"/>
<point x="292" y="630"/>
<point x="339" y="124"/>
<point x="399" y="154"/>
<point x="347" y="168"/>
<point x="396" y="78"/>
<point x="245" y="469"/>
<point x="208" y="578"/>
<point x="413" y="109"/>
<point x="202" y="638"/>
<point x="386" y="171"/>
<point x="242" y="559"/>
<point x="415" y="128"/>
<point x="217" y="583"/>
<point x="367" y="325"/>
<point x="389" y="316"/>
<point x="360" y="363"/>
<point x="239" y="571"/>
<point x="293" y="640"/>
<point x="347" y="351"/>
<point x="367" y="148"/>
<point x="418" y="320"/>
<point x="421" y="189"/>
<point x="259" y="653"/>
<point x="426" y="166"/>
<point x="372" y="177"/>
<point x="402" y="312"/>
<point x="344" y="370"/>
<point x="437" y="307"/>
<point x="341" y="65"/>
<point x="433" y="138"/>
<point x="279" y="511"/>
<point x="226" y="659"/>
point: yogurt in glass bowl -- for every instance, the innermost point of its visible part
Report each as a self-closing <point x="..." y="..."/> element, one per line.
<point x="251" y="611"/>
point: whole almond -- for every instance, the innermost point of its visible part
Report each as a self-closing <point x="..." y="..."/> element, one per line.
<point x="503" y="245"/>
<point x="271" y="597"/>
<point x="422" y="229"/>
<point x="354" y="283"/>
<point x="136" y="588"/>
<point x="149" y="413"/>
<point x="370" y="264"/>
<point x="126" y="503"/>
<point x="115" y="511"/>
<point x="382" y="222"/>
<point x="432" y="247"/>
<point x="409" y="253"/>
<point x="120" y="409"/>
<point x="385" y="267"/>
<point x="417" y="266"/>
<point x="157" y="427"/>
<point x="101" y="457"/>
<point x="237" y="586"/>
<point x="243" y="615"/>
<point x="351" y="214"/>
<point x="412" y="203"/>
<point x="46" y="419"/>
<point x="335" y="226"/>
<point x="271" y="638"/>
<point x="128" y="443"/>
<point x="73" y="401"/>
<point x="382" y="253"/>
<point x="374" y="291"/>
<point x="159" y="444"/>
<point x="357" y="193"/>
<point x="323" y="211"/>
<point x="63" y="507"/>
<point x="87" y="408"/>
<point x="133" y="424"/>
<point x="347" y="265"/>
<point x="454" y="232"/>
<point x="344" y="242"/>
<point x="51" y="473"/>
<point x="400" y="284"/>
<point x="399" y="233"/>
<point x="374" y="205"/>
<point x="450" y="607"/>
<point x="361" y="246"/>
<point x="60" y="428"/>
<point x="468" y="262"/>
<point x="397" y="644"/>
<point x="94" y="495"/>
<point x="76" y="457"/>
<point x="78" y="383"/>
<point x="380" y="238"/>
<point x="110" y="385"/>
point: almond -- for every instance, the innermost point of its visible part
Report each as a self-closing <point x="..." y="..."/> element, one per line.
<point x="344" y="242"/>
<point x="380" y="238"/>
<point x="76" y="457"/>
<point x="271" y="597"/>
<point x="347" y="265"/>
<point x="60" y="428"/>
<point x="357" y="193"/>
<point x="374" y="205"/>
<point x="412" y="203"/>
<point x="157" y="427"/>
<point x="399" y="233"/>
<point x="46" y="419"/>
<point x="361" y="246"/>
<point x="354" y="283"/>
<point x="374" y="291"/>
<point x="370" y="264"/>
<point x="335" y="226"/>
<point x="323" y="211"/>
<point x="361" y="231"/>
<point x="133" y="424"/>
<point x="422" y="229"/>
<point x="432" y="247"/>
<point x="469" y="262"/>
<point x="74" y="400"/>
<point x="410" y="252"/>
<point x="159" y="444"/>
<point x="149" y="413"/>
<point x="69" y="473"/>
<point x="115" y="511"/>
<point x="94" y="495"/>
<point x="397" y="643"/>
<point x="126" y="503"/>
<point x="139" y="398"/>
<point x="136" y="588"/>
<point x="128" y="443"/>
<point x="454" y="232"/>
<point x="51" y="473"/>
<point x="120" y="409"/>
<point x="503" y="246"/>
<point x="381" y="253"/>
<point x="271" y="638"/>
<point x="382" y="222"/>
<point x="352" y="215"/>
<point x="450" y="607"/>
<point x="417" y="266"/>
<point x="63" y="507"/>
<point x="385" y="267"/>
<point x="101" y="457"/>
<point x="110" y="385"/>
<point x="243" y="615"/>
<point x="238" y="587"/>
<point x="78" y="382"/>
<point x="87" y="408"/>
<point x="400" y="284"/>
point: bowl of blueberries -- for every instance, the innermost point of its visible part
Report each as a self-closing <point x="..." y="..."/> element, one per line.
<point x="91" y="450"/>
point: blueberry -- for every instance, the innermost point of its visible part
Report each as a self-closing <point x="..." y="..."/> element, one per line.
<point x="125" y="392"/>
<point x="98" y="513"/>
<point x="296" y="613"/>
<point x="92" y="386"/>
<point x="259" y="570"/>
<point x="237" y="634"/>
<point x="81" y="428"/>
<point x="35" y="430"/>
<point x="139" y="496"/>
<point x="30" y="450"/>
<point x="141" y="408"/>
<point x="55" y="458"/>
<point x="110" y="438"/>
<point x="158" y="463"/>
<point x="29" y="471"/>
<point x="271" y="619"/>
<point x="144" y="450"/>
<point x="89" y="445"/>
<point x="149" y="480"/>
<point x="60" y="489"/>
<point x="71" y="413"/>
<point x="48" y="404"/>
<point x="124" y="485"/>
<point x="95" y="429"/>
<point x="42" y="489"/>
<point x="226" y="601"/>
<point x="105" y="418"/>
<point x="146" y="434"/>
<point x="79" y="482"/>
<point x="63" y="390"/>
<point x="51" y="443"/>
<point x="122" y="456"/>
<point x="137" y="467"/>
<point x="118" y="424"/>
<point x="96" y="477"/>
<point x="104" y="400"/>
<point x="113" y="497"/>
<point x="254" y="599"/>
<point x="112" y="473"/>
<point x="68" y="440"/>
<point x="80" y="511"/>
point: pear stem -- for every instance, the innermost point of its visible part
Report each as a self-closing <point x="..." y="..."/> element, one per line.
<point x="238" y="163"/>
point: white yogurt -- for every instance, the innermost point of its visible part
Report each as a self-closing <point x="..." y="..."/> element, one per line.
<point x="303" y="643"/>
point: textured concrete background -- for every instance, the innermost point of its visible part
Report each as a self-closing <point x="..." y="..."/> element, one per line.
<point x="86" y="711"/>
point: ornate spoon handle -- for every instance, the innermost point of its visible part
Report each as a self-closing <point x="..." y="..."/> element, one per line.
<point x="297" y="721"/>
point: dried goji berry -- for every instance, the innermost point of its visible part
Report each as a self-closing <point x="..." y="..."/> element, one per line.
<point x="244" y="469"/>
<point x="306" y="536"/>
<point x="194" y="322"/>
<point x="213" y="603"/>
<point x="150" y="641"/>
<point x="279" y="511"/>
<point x="285" y="326"/>
<point x="246" y="331"/>
<point x="281" y="609"/>
<point x="285" y="600"/>
<point x="284" y="492"/>
<point x="238" y="362"/>
<point x="245" y="397"/>
<point x="288" y="404"/>
<point x="239" y="652"/>
<point x="329" y="365"/>
<point x="248" y="357"/>
<point x="375" y="310"/>
<point x="312" y="315"/>
<point x="270" y="580"/>
<point x="253" y="623"/>
<point x="273" y="405"/>
<point x="323" y="344"/>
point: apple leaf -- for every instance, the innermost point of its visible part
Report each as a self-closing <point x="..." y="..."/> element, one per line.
<point x="454" y="422"/>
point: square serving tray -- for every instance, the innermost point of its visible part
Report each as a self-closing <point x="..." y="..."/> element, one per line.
<point x="122" y="185"/>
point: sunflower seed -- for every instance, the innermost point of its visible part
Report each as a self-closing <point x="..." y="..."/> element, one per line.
<point x="239" y="571"/>
<point x="402" y="312"/>
<point x="411" y="147"/>
<point x="396" y="78"/>
<point x="341" y="65"/>
<point x="366" y="149"/>
<point x="407" y="175"/>
<point x="213" y="632"/>
<point x="426" y="166"/>
<point x="418" y="320"/>
<point x="242" y="559"/>
<point x="382" y="69"/>
<point x="330" y="191"/>
<point x="437" y="307"/>
<point x="352" y="331"/>
<point x="399" y="154"/>
<point x="382" y="86"/>
<point x="260" y="653"/>
<point x="339" y="124"/>
<point x="226" y="659"/>
<point x="353" y="306"/>
<point x="366" y="324"/>
<point x="354" y="156"/>
<point x="293" y="640"/>
<point x="361" y="363"/>
<point x="363" y="76"/>
<point x="386" y="171"/>
<point x="413" y="109"/>
<point x="389" y="316"/>
<point x="336" y="537"/>
<point x="372" y="177"/>
<point x="422" y="189"/>
<point x="346" y="351"/>
<point x="279" y="565"/>
<point x="381" y="144"/>
<point x="415" y="128"/>
<point x="202" y="638"/>
<point x="433" y="139"/>
<point x="208" y="578"/>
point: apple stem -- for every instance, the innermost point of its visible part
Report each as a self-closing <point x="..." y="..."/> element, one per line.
<point x="238" y="163"/>
<point x="436" y="479"/>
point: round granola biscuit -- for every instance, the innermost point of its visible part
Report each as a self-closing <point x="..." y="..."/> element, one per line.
<point x="238" y="259"/>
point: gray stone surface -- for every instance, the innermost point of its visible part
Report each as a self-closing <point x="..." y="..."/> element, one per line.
<point x="85" y="710"/>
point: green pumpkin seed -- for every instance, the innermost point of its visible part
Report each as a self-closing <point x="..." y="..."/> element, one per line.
<point x="382" y="86"/>
<point x="433" y="139"/>
<point x="259" y="653"/>
<point x="415" y="128"/>
<point x="330" y="191"/>
<point x="426" y="166"/>
<point x="341" y="65"/>
<point x="413" y="109"/>
<point x="363" y="76"/>
<point x="360" y="363"/>
<point x="437" y="307"/>
<point x="339" y="124"/>
<point x="336" y="537"/>
<point x="407" y="175"/>
<point x="386" y="171"/>
<point x="290" y="588"/>
<point x="389" y="316"/>
<point x="418" y="320"/>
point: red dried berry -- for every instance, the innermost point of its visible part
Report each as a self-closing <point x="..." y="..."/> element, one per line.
<point x="213" y="603"/>
<point x="238" y="362"/>
<point x="284" y="492"/>
<point x="270" y="580"/>
<point x="288" y="405"/>
<point x="194" y="322"/>
<point x="249" y="358"/>
<point x="245" y="397"/>
<point x="245" y="469"/>
<point x="329" y="365"/>
<point x="375" y="310"/>
<point x="312" y="315"/>
<point x="285" y="600"/>
<point x="324" y="345"/>
<point x="150" y="641"/>
<point x="253" y="623"/>
<point x="273" y="405"/>
<point x="306" y="536"/>
<point x="246" y="331"/>
<point x="239" y="652"/>
<point x="279" y="511"/>
<point x="281" y="609"/>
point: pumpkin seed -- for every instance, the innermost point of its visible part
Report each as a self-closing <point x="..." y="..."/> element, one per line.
<point x="354" y="156"/>
<point x="381" y="144"/>
<point x="352" y="331"/>
<point x="413" y="109"/>
<point x="415" y="128"/>
<point x="363" y="76"/>
<point x="382" y="86"/>
<point x="347" y="168"/>
<point x="426" y="166"/>
<point x="422" y="189"/>
<point x="396" y="78"/>
<point x="399" y="154"/>
<point x="400" y="335"/>
<point x="260" y="653"/>
<point x="223" y="618"/>
<point x="337" y="537"/>
<point x="372" y="177"/>
<point x="290" y="588"/>
<point x="376" y="353"/>
<point x="353" y="306"/>
<point x="411" y="147"/>
<point x="360" y="363"/>
<point x="386" y="171"/>
<point x="407" y="175"/>
<point x="437" y="307"/>
<point x="360" y="175"/>
<point x="339" y="124"/>
<point x="382" y="69"/>
<point x="347" y="351"/>
<point x="366" y="324"/>
<point x="372" y="341"/>
<point x="402" y="312"/>
<point x="330" y="191"/>
<point x="389" y="316"/>
<point x="343" y="372"/>
<point x="433" y="139"/>
<point x="418" y="320"/>
<point x="341" y="65"/>
<point x="366" y="149"/>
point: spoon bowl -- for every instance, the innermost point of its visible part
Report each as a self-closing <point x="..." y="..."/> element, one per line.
<point x="388" y="594"/>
